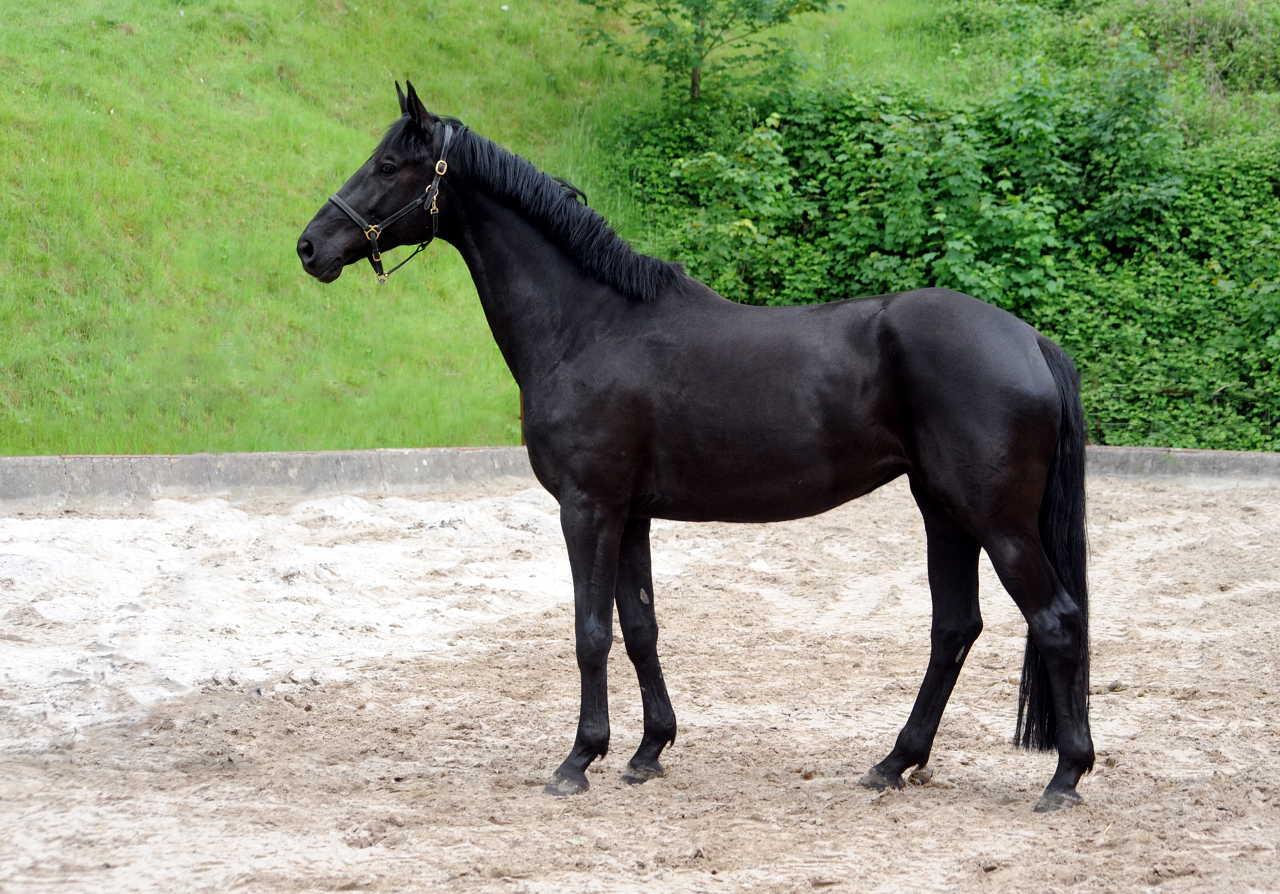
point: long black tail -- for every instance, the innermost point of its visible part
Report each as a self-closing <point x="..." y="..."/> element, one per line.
<point x="1062" y="532"/>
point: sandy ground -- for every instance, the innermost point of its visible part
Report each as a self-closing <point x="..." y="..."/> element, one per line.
<point x="364" y="694"/>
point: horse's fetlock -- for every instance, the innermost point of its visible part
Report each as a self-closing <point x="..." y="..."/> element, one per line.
<point x="593" y="744"/>
<point x="1076" y="752"/>
<point x="911" y="749"/>
<point x="661" y="733"/>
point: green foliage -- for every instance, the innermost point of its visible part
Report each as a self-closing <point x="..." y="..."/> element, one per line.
<point x="1067" y="197"/>
<point x="1233" y="43"/>
<point x="685" y="37"/>
<point x="1223" y="54"/>
<point x="150" y="299"/>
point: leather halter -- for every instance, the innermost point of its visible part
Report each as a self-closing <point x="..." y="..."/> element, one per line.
<point x="373" y="231"/>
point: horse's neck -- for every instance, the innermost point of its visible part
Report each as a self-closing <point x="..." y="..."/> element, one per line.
<point x="537" y="301"/>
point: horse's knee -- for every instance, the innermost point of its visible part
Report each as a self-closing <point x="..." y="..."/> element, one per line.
<point x="641" y="640"/>
<point x="593" y="647"/>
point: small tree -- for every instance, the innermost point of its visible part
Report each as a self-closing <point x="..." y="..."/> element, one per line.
<point x="682" y="36"/>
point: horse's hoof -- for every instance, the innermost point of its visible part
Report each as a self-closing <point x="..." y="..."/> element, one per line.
<point x="1062" y="800"/>
<point x="561" y="786"/>
<point x="921" y="776"/>
<point x="637" y="774"/>
<point x="876" y="780"/>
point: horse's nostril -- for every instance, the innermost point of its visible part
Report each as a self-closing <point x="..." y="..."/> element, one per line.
<point x="306" y="250"/>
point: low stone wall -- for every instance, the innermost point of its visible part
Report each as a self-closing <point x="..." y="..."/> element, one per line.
<point x="50" y="482"/>
<point x="1211" y="468"/>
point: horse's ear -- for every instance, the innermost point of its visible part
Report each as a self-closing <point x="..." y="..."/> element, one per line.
<point x="404" y="103"/>
<point x="418" y="112"/>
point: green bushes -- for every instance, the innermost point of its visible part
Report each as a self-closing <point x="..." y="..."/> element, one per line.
<point x="731" y="39"/>
<point x="1234" y="43"/>
<point x="1067" y="197"/>
<point x="1223" y="55"/>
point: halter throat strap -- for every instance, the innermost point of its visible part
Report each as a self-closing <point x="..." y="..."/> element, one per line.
<point x="428" y="198"/>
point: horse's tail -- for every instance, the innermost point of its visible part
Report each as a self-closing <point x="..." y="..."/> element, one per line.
<point x="1062" y="533"/>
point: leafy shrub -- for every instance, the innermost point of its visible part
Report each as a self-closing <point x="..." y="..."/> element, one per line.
<point x="689" y="38"/>
<point x="1234" y="44"/>
<point x="965" y="19"/>
<point x="1067" y="197"/>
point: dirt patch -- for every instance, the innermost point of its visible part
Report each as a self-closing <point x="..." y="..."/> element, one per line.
<point x="793" y="653"/>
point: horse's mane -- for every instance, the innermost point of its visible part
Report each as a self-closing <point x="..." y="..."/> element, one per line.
<point x="551" y="206"/>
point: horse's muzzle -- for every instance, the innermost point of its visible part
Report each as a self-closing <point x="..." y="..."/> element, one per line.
<point x="316" y="265"/>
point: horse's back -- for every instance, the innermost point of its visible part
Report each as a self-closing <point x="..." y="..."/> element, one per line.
<point x="870" y="371"/>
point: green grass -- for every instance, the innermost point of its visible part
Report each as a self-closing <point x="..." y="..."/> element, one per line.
<point x="882" y="40"/>
<point x="158" y="161"/>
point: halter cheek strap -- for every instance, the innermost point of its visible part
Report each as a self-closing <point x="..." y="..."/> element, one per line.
<point x="373" y="231"/>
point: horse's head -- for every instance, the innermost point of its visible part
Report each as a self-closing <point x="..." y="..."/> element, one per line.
<point x="393" y="198"/>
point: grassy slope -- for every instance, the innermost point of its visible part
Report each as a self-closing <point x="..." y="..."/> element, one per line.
<point x="158" y="160"/>
<point x="151" y="299"/>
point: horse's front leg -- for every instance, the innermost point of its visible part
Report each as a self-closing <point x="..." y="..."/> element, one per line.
<point x="592" y="535"/>
<point x="635" y="599"/>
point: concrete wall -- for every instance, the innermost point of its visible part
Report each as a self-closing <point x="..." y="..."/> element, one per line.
<point x="50" y="482"/>
<point x="1208" y="468"/>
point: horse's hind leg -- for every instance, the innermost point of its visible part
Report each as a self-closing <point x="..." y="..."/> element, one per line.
<point x="1056" y="626"/>
<point x="957" y="621"/>
<point x="634" y="598"/>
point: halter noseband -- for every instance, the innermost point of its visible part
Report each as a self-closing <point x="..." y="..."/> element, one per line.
<point x="373" y="231"/>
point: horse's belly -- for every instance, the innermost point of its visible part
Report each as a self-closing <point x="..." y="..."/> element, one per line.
<point x="762" y="489"/>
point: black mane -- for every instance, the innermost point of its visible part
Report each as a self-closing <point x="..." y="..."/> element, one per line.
<point x="579" y="231"/>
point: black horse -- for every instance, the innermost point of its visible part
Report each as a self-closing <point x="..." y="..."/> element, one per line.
<point x="647" y="395"/>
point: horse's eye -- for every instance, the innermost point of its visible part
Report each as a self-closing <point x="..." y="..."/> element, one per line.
<point x="388" y="168"/>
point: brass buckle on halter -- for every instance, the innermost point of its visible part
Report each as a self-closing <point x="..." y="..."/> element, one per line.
<point x="372" y="234"/>
<point x="442" y="167"/>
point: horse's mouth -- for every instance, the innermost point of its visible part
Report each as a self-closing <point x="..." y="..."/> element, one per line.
<point x="332" y="272"/>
